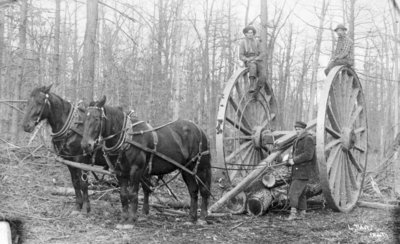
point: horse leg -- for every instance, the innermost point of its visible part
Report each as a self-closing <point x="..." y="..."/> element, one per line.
<point x="193" y="192"/>
<point x="204" y="173"/>
<point x="123" y="183"/>
<point x="85" y="194"/>
<point x="146" y="193"/>
<point x="135" y="176"/>
<point x="75" y="177"/>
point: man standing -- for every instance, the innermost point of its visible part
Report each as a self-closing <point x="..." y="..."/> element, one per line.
<point x="302" y="163"/>
<point x="250" y="54"/>
<point x="344" y="53"/>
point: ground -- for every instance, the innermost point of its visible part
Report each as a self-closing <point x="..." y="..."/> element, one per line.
<point x="37" y="215"/>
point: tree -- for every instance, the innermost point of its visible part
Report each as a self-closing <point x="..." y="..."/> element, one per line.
<point x="89" y="50"/>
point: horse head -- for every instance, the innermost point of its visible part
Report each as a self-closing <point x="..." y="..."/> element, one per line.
<point x="37" y="109"/>
<point x="93" y="125"/>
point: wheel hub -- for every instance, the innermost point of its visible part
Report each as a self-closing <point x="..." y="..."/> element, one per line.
<point x="256" y="137"/>
<point x="348" y="138"/>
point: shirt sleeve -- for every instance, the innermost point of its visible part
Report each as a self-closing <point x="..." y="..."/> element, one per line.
<point x="242" y="51"/>
<point x="347" y="45"/>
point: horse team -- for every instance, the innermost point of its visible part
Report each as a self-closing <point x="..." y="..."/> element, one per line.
<point x="130" y="148"/>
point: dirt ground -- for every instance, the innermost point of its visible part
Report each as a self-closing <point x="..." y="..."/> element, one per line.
<point x="37" y="215"/>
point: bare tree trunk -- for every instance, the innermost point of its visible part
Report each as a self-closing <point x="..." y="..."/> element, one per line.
<point x="317" y="51"/>
<point x="56" y="58"/>
<point x="21" y="68"/>
<point x="264" y="38"/>
<point x="246" y="18"/>
<point x="89" y="47"/>
<point x="3" y="87"/>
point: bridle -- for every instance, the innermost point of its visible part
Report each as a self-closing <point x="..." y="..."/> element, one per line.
<point x="46" y="101"/>
<point x="100" y="138"/>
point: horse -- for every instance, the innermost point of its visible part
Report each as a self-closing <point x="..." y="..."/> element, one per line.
<point x="148" y="151"/>
<point x="67" y="127"/>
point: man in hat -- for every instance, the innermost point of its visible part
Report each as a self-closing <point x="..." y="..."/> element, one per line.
<point x="250" y="54"/>
<point x="343" y="54"/>
<point x="302" y="166"/>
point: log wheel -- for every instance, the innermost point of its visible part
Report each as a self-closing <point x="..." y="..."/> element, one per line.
<point x="241" y="118"/>
<point x="341" y="135"/>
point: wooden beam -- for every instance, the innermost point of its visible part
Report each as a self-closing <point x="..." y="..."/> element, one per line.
<point x="97" y="169"/>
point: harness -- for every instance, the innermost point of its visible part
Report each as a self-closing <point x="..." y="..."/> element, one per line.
<point x="61" y="135"/>
<point x="128" y="128"/>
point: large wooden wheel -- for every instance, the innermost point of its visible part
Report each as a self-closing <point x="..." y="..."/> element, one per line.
<point x="241" y="118"/>
<point x="342" y="138"/>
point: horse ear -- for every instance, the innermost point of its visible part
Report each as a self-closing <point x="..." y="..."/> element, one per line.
<point x="47" y="88"/>
<point x="102" y="101"/>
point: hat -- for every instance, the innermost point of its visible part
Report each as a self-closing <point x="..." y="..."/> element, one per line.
<point x="300" y="124"/>
<point x="249" y="27"/>
<point x="340" y="26"/>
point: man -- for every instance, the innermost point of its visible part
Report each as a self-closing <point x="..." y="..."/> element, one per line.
<point x="302" y="167"/>
<point x="343" y="54"/>
<point x="250" y="54"/>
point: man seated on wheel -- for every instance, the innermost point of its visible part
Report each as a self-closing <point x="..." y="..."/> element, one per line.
<point x="302" y="169"/>
<point x="250" y="54"/>
<point x="344" y="53"/>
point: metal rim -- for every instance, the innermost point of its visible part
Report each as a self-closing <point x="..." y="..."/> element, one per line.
<point x="342" y="136"/>
<point x="240" y="121"/>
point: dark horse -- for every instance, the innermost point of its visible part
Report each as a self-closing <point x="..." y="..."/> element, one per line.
<point x="146" y="151"/>
<point x="67" y="129"/>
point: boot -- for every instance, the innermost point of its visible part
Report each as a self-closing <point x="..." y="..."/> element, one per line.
<point x="293" y="214"/>
<point x="302" y="214"/>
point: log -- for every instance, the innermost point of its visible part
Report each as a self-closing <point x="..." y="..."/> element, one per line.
<point x="259" y="202"/>
<point x="281" y="145"/>
<point x="97" y="169"/>
<point x="246" y="181"/>
<point x="377" y="205"/>
<point x="237" y="204"/>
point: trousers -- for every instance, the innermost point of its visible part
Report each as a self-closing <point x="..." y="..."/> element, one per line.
<point x="297" y="196"/>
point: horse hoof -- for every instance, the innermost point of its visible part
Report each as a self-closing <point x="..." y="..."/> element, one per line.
<point x="124" y="226"/>
<point x="201" y="222"/>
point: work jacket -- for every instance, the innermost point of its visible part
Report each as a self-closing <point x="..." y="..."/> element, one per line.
<point x="304" y="157"/>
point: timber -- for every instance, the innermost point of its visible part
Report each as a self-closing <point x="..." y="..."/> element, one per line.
<point x="97" y="169"/>
<point x="377" y="205"/>
<point x="281" y="144"/>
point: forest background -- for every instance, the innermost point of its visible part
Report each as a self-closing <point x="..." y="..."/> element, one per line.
<point x="171" y="58"/>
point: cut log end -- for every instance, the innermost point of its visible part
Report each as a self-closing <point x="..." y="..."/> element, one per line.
<point x="259" y="202"/>
<point x="237" y="204"/>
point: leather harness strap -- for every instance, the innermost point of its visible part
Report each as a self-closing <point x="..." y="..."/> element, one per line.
<point x="155" y="142"/>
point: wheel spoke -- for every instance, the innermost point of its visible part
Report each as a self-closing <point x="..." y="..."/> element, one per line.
<point x="333" y="133"/>
<point x="332" y="118"/>
<point x="241" y="128"/>
<point x="359" y="148"/>
<point x="268" y="121"/>
<point x="354" y="162"/>
<point x="354" y="116"/>
<point x="237" y="151"/>
<point x="342" y="176"/>
<point x="351" y="176"/>
<point x="331" y="144"/>
<point x="359" y="130"/>
<point x="336" y="180"/>
<point x="239" y="113"/>
<point x="332" y="158"/>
